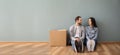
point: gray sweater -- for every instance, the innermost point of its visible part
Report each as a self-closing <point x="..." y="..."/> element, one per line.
<point x="74" y="28"/>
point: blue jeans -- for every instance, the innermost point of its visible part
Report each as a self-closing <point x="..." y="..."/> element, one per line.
<point x="73" y="45"/>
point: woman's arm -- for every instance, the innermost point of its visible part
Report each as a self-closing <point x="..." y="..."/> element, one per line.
<point x="96" y="34"/>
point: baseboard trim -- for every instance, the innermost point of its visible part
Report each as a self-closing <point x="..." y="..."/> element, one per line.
<point x="23" y="42"/>
<point x="109" y="42"/>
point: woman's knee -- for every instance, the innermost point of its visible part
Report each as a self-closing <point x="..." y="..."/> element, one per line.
<point x="88" y="42"/>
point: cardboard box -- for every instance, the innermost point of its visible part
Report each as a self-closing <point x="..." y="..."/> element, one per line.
<point x="58" y="37"/>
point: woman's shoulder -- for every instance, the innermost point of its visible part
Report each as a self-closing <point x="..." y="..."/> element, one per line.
<point x="96" y="28"/>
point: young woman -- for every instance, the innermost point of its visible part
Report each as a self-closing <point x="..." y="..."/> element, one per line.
<point x="91" y="34"/>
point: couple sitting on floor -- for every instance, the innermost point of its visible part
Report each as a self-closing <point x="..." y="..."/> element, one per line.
<point x="78" y="33"/>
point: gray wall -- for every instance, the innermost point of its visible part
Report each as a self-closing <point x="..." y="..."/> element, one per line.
<point x="31" y="20"/>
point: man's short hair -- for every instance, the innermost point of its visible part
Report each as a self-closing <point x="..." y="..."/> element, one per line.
<point x="77" y="18"/>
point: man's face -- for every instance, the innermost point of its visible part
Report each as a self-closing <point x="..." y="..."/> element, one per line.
<point x="80" y="21"/>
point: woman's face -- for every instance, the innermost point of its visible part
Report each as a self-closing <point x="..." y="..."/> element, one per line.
<point x="89" y="22"/>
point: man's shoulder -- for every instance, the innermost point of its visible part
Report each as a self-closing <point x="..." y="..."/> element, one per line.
<point x="82" y="26"/>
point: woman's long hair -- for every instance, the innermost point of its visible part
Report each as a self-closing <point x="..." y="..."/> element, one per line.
<point x="93" y="21"/>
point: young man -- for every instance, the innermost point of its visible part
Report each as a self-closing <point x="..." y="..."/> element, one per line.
<point x="77" y="34"/>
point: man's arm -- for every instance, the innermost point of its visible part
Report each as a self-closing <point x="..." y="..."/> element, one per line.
<point x="83" y="33"/>
<point x="71" y="31"/>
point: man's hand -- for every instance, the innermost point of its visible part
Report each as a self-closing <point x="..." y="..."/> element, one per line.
<point x="78" y="39"/>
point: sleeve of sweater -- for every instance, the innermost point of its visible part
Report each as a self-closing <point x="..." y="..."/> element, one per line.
<point x="71" y="31"/>
<point x="96" y="34"/>
<point x="83" y="33"/>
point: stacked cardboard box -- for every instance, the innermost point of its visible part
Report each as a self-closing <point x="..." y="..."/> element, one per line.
<point x="58" y="37"/>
